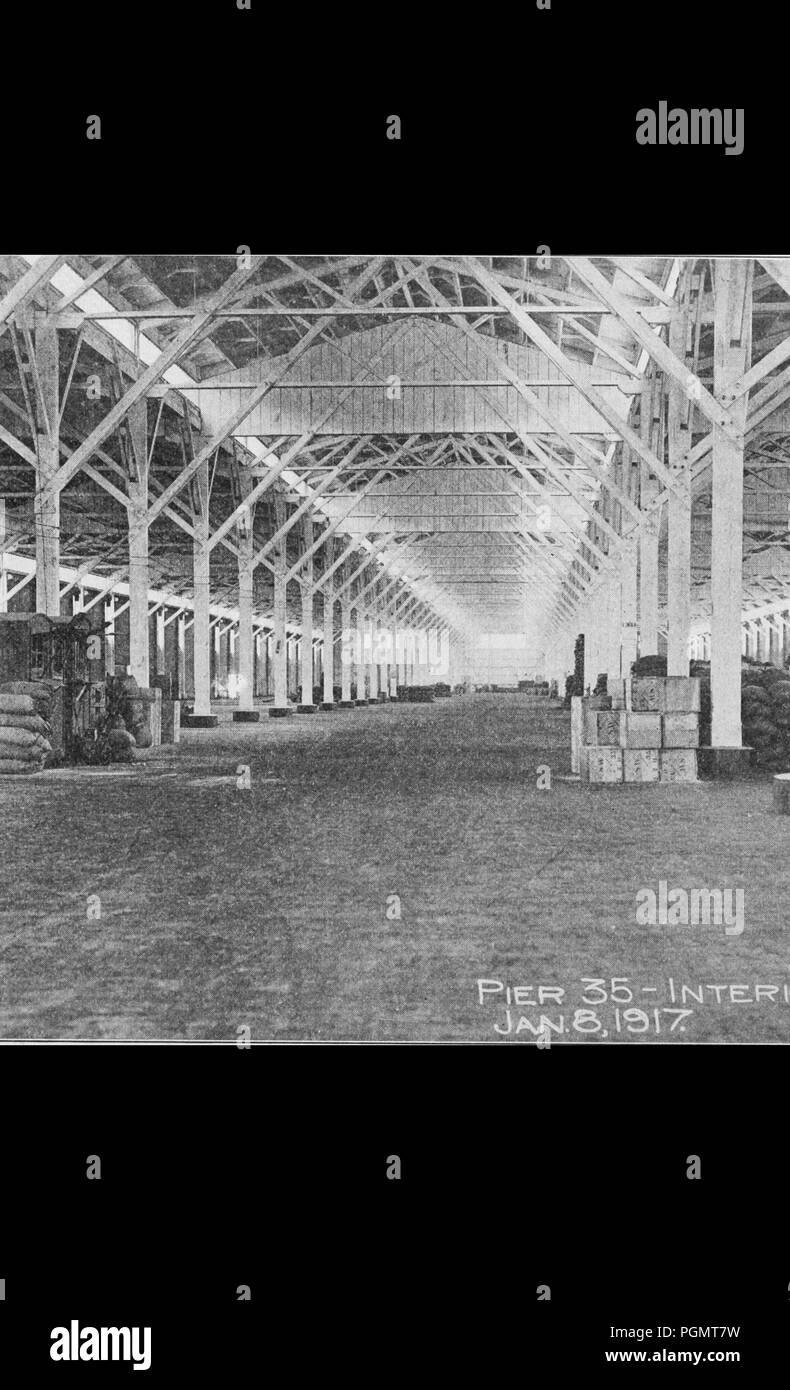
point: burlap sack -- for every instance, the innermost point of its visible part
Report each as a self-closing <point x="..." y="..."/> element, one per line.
<point x="15" y="752"/>
<point x="17" y="704"/>
<point x="121" y="738"/>
<point x="26" y="738"/>
<point x="34" y="722"/>
<point x="38" y="690"/>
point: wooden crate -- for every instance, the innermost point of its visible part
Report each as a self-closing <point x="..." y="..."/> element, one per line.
<point x="601" y="764"/>
<point x="577" y="730"/>
<point x="641" y="730"/>
<point x="589" y="724"/>
<point x="681" y="695"/>
<point x="647" y="694"/>
<point x="641" y="764"/>
<point x="666" y="694"/>
<point x="678" y="765"/>
<point x="609" y="728"/>
<point x="171" y="721"/>
<point x="604" y="727"/>
<point x="781" y="793"/>
<point x="680" y="730"/>
<point x="617" y="690"/>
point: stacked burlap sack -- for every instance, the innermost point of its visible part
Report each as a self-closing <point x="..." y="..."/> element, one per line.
<point x="24" y="726"/>
<point x="765" y="710"/>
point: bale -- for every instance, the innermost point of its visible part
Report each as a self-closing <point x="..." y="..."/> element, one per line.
<point x="760" y="729"/>
<point x="94" y="750"/>
<point x="40" y="695"/>
<point x="121" y="738"/>
<point x="11" y="754"/>
<point x="17" y="704"/>
<point x="38" y="690"/>
<point x="34" y="722"/>
<point x="25" y="738"/>
<point x="772" y="674"/>
<point x="781" y="793"/>
<point x="126" y="754"/>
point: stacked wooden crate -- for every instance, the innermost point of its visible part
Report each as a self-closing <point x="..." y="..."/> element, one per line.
<point x="650" y="733"/>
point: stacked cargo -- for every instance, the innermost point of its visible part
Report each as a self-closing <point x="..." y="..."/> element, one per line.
<point x="648" y="733"/>
<point x="25" y="730"/>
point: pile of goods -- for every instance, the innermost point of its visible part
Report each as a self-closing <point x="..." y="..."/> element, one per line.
<point x="536" y="689"/>
<point x="574" y="684"/>
<point x="642" y="730"/>
<point x="657" y="666"/>
<point x="765" y="706"/>
<point x="122" y="729"/>
<point x="765" y="712"/>
<point x="25" y="730"/>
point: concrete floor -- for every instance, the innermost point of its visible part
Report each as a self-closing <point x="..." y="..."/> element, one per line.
<point x="273" y="908"/>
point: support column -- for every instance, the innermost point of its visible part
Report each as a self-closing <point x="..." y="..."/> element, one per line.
<point x="611" y="663"/>
<point x="160" y="641"/>
<point x="109" y="635"/>
<point x="201" y="628"/>
<point x="678" y="514"/>
<point x="732" y="356"/>
<point x="306" y="582"/>
<point x="649" y="531"/>
<point x="393" y="663"/>
<point x="591" y="649"/>
<point x="181" y="654"/>
<point x="373" y="670"/>
<point x="648" y="571"/>
<point x="232" y="668"/>
<point x="329" y="629"/>
<point x="346" y="644"/>
<point x="47" y="512"/>
<point x="3" y="574"/>
<point x="216" y="657"/>
<point x="628" y="612"/>
<point x="280" y="707"/>
<point x="381" y="650"/>
<point x="137" y="510"/>
<point x="246" y="569"/>
<point x="360" y="680"/>
<point x="245" y="712"/>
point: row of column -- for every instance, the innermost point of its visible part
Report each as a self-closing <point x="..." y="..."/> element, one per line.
<point x="621" y="621"/>
<point x="372" y="603"/>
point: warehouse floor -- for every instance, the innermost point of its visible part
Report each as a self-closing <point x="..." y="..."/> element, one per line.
<point x="272" y="907"/>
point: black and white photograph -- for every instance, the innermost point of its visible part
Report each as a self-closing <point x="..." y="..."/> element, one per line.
<point x="394" y="694"/>
<point x="395" y="648"/>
